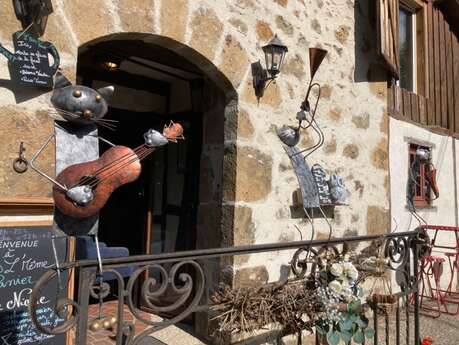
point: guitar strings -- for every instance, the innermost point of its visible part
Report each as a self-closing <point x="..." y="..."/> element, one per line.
<point x="137" y="152"/>
<point x="139" y="157"/>
<point x="113" y="163"/>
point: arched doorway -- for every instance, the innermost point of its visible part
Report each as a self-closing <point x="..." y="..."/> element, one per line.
<point x="176" y="204"/>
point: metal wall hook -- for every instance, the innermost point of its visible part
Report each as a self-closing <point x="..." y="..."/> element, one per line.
<point x="20" y="164"/>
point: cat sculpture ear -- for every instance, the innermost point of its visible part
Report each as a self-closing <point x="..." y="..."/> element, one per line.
<point x="61" y="81"/>
<point x="106" y="92"/>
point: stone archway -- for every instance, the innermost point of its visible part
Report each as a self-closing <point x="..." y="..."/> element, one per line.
<point x="218" y="168"/>
<point x="217" y="175"/>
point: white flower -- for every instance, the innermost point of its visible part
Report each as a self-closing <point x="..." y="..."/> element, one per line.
<point x="350" y="271"/>
<point x="335" y="286"/>
<point x="337" y="269"/>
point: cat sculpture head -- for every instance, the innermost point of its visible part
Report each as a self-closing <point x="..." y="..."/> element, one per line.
<point x="77" y="103"/>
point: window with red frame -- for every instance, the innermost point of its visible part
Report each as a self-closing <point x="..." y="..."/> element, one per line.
<point x="421" y="187"/>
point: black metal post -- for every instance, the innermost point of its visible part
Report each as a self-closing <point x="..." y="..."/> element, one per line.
<point x="83" y="301"/>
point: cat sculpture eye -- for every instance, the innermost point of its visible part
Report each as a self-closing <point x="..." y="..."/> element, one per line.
<point x="80" y="104"/>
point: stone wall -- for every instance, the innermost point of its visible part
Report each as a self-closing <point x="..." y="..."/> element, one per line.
<point x="230" y="34"/>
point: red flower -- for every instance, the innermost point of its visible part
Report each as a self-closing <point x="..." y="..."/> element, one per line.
<point x="427" y="341"/>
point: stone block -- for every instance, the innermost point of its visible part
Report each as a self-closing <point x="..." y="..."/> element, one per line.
<point x="244" y="127"/>
<point x="272" y="96"/>
<point x="251" y="276"/>
<point x="362" y="122"/>
<point x="239" y="25"/>
<point x="315" y="24"/>
<point x="283" y="3"/>
<point x="89" y="19"/>
<point x="254" y="174"/>
<point x="335" y="114"/>
<point x="378" y="220"/>
<point x="284" y="25"/>
<point x="244" y="231"/>
<point x="136" y="15"/>
<point x="294" y="65"/>
<point x="57" y="33"/>
<point x="330" y="146"/>
<point x="264" y="32"/>
<point x="384" y="124"/>
<point x="174" y="18"/>
<point x="380" y="155"/>
<point x="9" y="23"/>
<point x="20" y="124"/>
<point x="342" y="33"/>
<point x="229" y="172"/>
<point x="351" y="151"/>
<point x="235" y="61"/>
<point x="207" y="31"/>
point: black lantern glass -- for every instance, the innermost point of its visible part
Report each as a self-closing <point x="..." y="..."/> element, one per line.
<point x="274" y="54"/>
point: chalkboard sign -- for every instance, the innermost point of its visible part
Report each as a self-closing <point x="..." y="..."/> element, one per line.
<point x="30" y="61"/>
<point x="25" y="254"/>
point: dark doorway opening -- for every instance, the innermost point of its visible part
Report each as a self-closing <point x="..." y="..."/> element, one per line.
<point x="157" y="213"/>
<point x="177" y="203"/>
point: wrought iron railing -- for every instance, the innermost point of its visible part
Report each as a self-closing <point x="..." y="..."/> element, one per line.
<point x="155" y="275"/>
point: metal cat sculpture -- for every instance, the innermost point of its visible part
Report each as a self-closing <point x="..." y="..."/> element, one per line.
<point x="80" y="104"/>
<point x="30" y="60"/>
<point x="81" y="190"/>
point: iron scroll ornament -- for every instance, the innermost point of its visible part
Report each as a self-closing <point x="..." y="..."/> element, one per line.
<point x="150" y="292"/>
<point x="64" y="308"/>
<point x="69" y="311"/>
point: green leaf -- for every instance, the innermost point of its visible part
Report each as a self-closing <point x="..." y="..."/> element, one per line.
<point x="345" y="325"/>
<point x="333" y="338"/>
<point x="359" y="338"/>
<point x="346" y="336"/>
<point x="369" y="333"/>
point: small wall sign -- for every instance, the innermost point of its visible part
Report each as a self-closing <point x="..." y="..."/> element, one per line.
<point x="30" y="61"/>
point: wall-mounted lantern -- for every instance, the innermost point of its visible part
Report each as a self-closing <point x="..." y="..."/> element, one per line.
<point x="274" y="56"/>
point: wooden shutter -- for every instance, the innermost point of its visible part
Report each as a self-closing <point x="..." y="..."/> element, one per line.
<point x="388" y="36"/>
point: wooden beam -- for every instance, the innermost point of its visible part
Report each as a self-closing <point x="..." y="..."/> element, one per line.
<point x="437" y="81"/>
<point x="449" y="77"/>
<point x="443" y="72"/>
<point x="455" y="44"/>
<point x="430" y="51"/>
<point x="126" y="79"/>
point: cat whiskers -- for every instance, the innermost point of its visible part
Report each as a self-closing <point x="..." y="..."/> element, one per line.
<point x="107" y="123"/>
